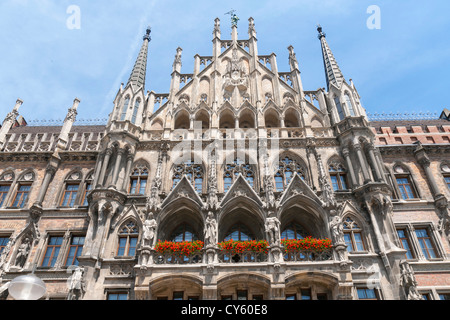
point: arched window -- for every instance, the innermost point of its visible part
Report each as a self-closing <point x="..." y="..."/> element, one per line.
<point x="6" y="180"/>
<point x="138" y="180"/>
<point x="22" y="191"/>
<point x="405" y="183"/>
<point x="128" y="239"/>
<point x="125" y="108"/>
<point x="353" y="236"/>
<point x="445" y="169"/>
<point x="233" y="170"/>
<point x="338" y="175"/>
<point x="71" y="188"/>
<point x="184" y="232"/>
<point x="286" y="169"/>
<point x="87" y="188"/>
<point x="293" y="231"/>
<point x="339" y="108"/>
<point x="135" y="110"/>
<point x="193" y="172"/>
<point x="349" y="104"/>
<point x="239" y="232"/>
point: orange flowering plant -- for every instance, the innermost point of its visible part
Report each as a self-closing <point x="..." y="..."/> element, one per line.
<point x="185" y="248"/>
<point x="307" y="244"/>
<point x="238" y="247"/>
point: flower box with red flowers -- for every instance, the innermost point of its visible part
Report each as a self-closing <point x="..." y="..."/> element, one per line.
<point x="185" y="248"/>
<point x="239" y="247"/>
<point x="308" y="244"/>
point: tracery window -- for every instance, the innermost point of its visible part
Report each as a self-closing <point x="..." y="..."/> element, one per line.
<point x="3" y="243"/>
<point x="135" y="110"/>
<point x="128" y="238"/>
<point x="349" y="104"/>
<point x="87" y="188"/>
<point x="405" y="183"/>
<point x="75" y="249"/>
<point x="52" y="251"/>
<point x="338" y="175"/>
<point x="353" y="236"/>
<point x="339" y="108"/>
<point x="22" y="190"/>
<point x="5" y="186"/>
<point x="184" y="232"/>
<point x="193" y="172"/>
<point x="239" y="232"/>
<point x="71" y="187"/>
<point x="286" y="169"/>
<point x="232" y="171"/>
<point x="294" y="231"/>
<point x="125" y="108"/>
<point x="138" y="180"/>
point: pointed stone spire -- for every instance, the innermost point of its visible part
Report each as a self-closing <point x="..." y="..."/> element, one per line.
<point x="216" y="32"/>
<point x="9" y="122"/>
<point x="251" y="28"/>
<point x="137" y="77"/>
<point x="332" y="72"/>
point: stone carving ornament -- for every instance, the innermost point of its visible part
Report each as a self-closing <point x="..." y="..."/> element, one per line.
<point x="210" y="230"/>
<point x="272" y="228"/>
<point x="22" y="253"/>
<point x="149" y="235"/>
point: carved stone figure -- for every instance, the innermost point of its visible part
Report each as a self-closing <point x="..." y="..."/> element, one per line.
<point x="150" y="225"/>
<point x="76" y="284"/>
<point x="408" y="282"/>
<point x="22" y="253"/>
<point x="272" y="228"/>
<point x="337" y="230"/>
<point x="210" y="230"/>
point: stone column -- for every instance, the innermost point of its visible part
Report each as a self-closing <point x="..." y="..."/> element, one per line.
<point x="349" y="163"/>
<point x="373" y="160"/>
<point x="49" y="172"/>
<point x="98" y="168"/>
<point x="115" y="176"/>
<point x="104" y="166"/>
<point x="130" y="159"/>
<point x="362" y="162"/>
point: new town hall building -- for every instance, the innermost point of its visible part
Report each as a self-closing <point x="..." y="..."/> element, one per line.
<point x="236" y="150"/>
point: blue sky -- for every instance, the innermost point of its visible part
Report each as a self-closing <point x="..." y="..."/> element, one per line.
<point x="402" y="67"/>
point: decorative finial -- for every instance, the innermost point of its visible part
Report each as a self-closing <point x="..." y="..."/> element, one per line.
<point x="321" y="34"/>
<point x="147" y="35"/>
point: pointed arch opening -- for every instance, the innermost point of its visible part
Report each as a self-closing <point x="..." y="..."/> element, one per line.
<point x="292" y="119"/>
<point x="227" y="120"/>
<point x="272" y="119"/>
<point x="182" y="120"/>
<point x="247" y="119"/>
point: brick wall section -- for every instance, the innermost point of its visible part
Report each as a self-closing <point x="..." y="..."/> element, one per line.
<point x="433" y="279"/>
<point x="390" y="134"/>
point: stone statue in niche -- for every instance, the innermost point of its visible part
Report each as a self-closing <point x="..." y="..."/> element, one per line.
<point x="22" y="252"/>
<point x="210" y="230"/>
<point x="76" y="284"/>
<point x="272" y="229"/>
<point x="149" y="235"/>
<point x="337" y="229"/>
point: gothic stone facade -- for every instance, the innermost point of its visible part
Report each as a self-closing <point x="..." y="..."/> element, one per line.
<point x="232" y="146"/>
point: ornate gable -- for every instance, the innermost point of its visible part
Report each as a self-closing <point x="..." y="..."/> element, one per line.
<point x="183" y="189"/>
<point x="241" y="188"/>
<point x="298" y="187"/>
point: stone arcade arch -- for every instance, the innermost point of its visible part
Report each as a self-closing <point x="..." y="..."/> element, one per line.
<point x="247" y="285"/>
<point x="171" y="287"/>
<point x="317" y="284"/>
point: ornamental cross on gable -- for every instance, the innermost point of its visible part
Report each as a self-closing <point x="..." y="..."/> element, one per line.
<point x="234" y="18"/>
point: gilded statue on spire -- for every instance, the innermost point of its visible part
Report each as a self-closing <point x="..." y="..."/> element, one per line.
<point x="234" y="18"/>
